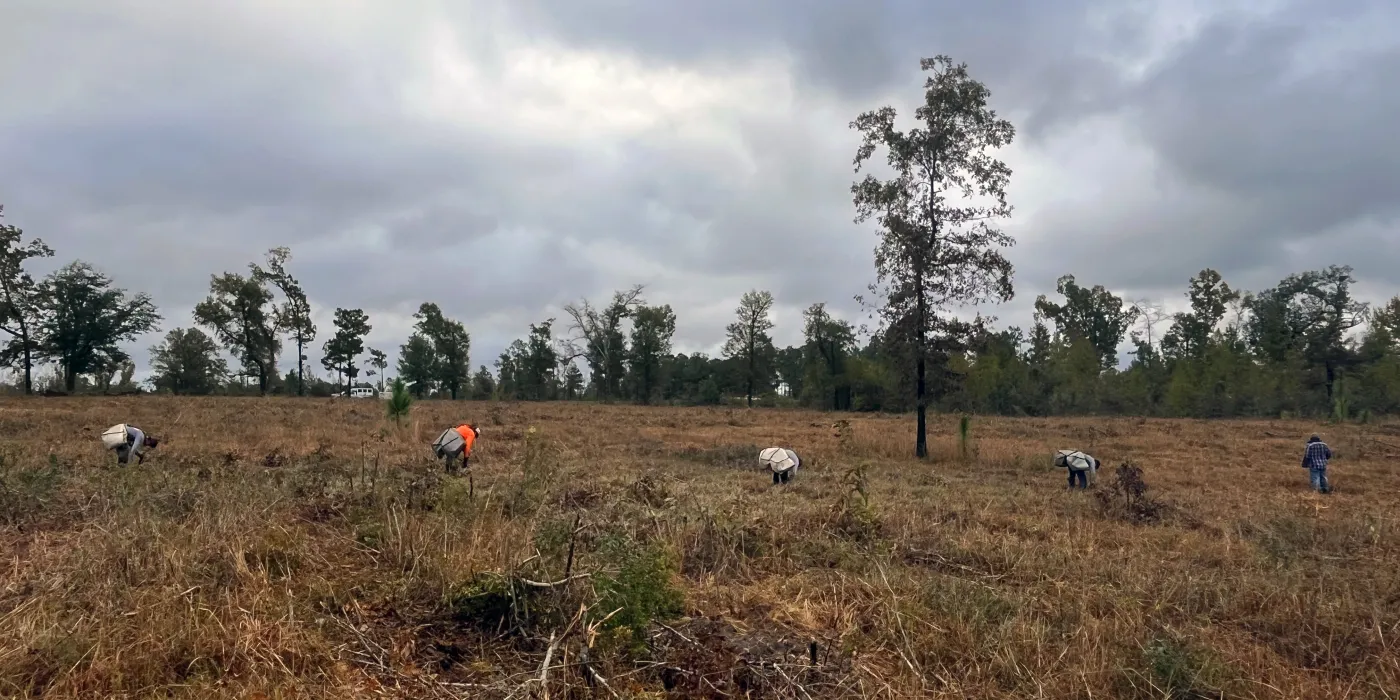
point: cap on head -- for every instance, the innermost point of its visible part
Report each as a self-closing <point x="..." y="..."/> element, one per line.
<point x="1314" y="438"/>
<point x="476" y="430"/>
<point x="151" y="441"/>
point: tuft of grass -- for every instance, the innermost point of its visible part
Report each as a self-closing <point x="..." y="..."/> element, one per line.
<point x="1179" y="671"/>
<point x="742" y="456"/>
<point x="537" y="470"/>
<point x="856" y="517"/>
<point x="27" y="491"/>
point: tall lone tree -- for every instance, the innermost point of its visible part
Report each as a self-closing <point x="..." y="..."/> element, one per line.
<point x="19" y="300"/>
<point x="348" y="343"/>
<point x="748" y="338"/>
<point x="293" y="317"/>
<point x="240" y="313"/>
<point x="937" y="248"/>
<point x="83" y="317"/>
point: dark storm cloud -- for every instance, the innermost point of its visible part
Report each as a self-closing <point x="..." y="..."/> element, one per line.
<point x="1231" y="112"/>
<point x="181" y="155"/>
<point x="1042" y="57"/>
<point x="1274" y="143"/>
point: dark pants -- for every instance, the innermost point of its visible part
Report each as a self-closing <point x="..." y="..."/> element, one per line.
<point x="1081" y="476"/>
<point x="450" y="461"/>
<point x="782" y="477"/>
<point x="1319" y="479"/>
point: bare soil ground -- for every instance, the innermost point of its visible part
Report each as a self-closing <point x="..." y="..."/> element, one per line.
<point x="279" y="548"/>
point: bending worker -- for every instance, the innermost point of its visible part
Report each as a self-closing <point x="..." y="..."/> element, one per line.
<point x="781" y="461"/>
<point x="456" y="441"/>
<point x="128" y="440"/>
<point x="1082" y="467"/>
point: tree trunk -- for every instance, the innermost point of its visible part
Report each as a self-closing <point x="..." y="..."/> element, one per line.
<point x="301" y="355"/>
<point x="28" y="356"/>
<point x="1331" y="380"/>
<point x="646" y="384"/>
<point x="748" y="384"/>
<point x="920" y="387"/>
<point x="70" y="378"/>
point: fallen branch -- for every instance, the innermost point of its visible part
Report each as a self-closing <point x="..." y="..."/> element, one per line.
<point x="544" y="667"/>
<point x="560" y="582"/>
<point x="554" y="644"/>
<point x="672" y="630"/>
<point x="792" y="682"/>
<point x="598" y="677"/>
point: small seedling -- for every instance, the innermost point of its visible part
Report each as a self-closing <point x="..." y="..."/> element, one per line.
<point x="399" y="402"/>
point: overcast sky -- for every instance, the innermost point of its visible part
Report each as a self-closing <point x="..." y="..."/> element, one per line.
<point x="503" y="158"/>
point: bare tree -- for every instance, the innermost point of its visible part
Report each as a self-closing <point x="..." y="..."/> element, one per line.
<point x="598" y="337"/>
<point x="1150" y="314"/>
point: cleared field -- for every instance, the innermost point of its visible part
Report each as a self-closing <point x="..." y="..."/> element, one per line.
<point x="276" y="548"/>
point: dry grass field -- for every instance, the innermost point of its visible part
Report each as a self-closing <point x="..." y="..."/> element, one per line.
<point x="282" y="548"/>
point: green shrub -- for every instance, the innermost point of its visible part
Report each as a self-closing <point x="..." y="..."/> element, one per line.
<point x="637" y="584"/>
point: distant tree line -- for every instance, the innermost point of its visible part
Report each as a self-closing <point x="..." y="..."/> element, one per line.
<point x="1305" y="346"/>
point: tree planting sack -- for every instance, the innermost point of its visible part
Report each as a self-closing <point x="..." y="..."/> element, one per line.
<point x="778" y="459"/>
<point x="449" y="442"/>
<point x="114" y="437"/>
<point x="1074" y="459"/>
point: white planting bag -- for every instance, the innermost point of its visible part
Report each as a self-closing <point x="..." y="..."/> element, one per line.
<point x="1079" y="462"/>
<point x="114" y="437"/>
<point x="779" y="460"/>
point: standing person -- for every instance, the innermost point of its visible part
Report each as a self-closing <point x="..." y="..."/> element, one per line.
<point x="1080" y="465"/>
<point x="1315" y="456"/>
<point x="456" y="441"/>
<point x="128" y="440"/>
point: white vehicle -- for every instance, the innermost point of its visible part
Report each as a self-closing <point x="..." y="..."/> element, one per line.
<point x="364" y="392"/>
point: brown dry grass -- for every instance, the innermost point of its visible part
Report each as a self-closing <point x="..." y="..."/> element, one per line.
<point x="306" y="548"/>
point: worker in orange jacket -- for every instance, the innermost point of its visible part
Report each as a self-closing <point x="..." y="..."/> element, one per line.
<point x="456" y="441"/>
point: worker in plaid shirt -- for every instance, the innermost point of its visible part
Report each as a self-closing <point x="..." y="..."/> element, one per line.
<point x="1315" y="457"/>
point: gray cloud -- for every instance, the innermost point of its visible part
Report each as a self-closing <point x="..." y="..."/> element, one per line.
<point x="471" y="155"/>
<point x="1262" y="146"/>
